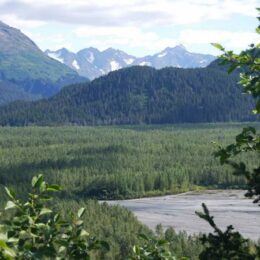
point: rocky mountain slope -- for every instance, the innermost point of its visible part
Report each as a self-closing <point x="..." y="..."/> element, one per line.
<point x="92" y="63"/>
<point x="27" y="68"/>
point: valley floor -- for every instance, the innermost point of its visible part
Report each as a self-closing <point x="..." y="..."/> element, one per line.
<point x="227" y="207"/>
<point x="122" y="162"/>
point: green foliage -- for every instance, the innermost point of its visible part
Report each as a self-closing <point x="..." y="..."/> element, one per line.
<point x="153" y="249"/>
<point x="139" y="95"/>
<point x="168" y="245"/>
<point x="248" y="140"/>
<point x="34" y="231"/>
<point x="230" y="244"/>
<point x="248" y="62"/>
<point x="223" y="245"/>
<point x="114" y="224"/>
<point x="183" y="245"/>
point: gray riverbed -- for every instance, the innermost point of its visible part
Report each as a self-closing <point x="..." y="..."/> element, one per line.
<point x="178" y="211"/>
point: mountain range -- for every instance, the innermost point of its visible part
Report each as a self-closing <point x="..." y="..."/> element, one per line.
<point x="130" y="95"/>
<point x="26" y="73"/>
<point x="139" y="95"/>
<point x="92" y="63"/>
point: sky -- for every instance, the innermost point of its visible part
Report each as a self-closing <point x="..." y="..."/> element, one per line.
<point x="138" y="27"/>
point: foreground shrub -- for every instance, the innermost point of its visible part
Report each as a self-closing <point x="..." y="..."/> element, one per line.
<point x="34" y="231"/>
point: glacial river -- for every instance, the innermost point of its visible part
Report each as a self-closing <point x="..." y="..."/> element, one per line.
<point x="178" y="211"/>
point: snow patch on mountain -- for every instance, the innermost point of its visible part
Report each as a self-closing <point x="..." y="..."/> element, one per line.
<point x="102" y="71"/>
<point x="129" y="61"/>
<point x="114" y="65"/>
<point x="95" y="63"/>
<point x="145" y="63"/>
<point x="91" y="57"/>
<point x="55" y="56"/>
<point x="160" y="55"/>
<point x="75" y="65"/>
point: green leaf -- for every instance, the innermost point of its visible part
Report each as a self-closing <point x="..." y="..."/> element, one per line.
<point x="83" y="233"/>
<point x="79" y="222"/>
<point x="8" y="252"/>
<point x="13" y="240"/>
<point x="3" y="236"/>
<point x="3" y="244"/>
<point x="10" y="193"/>
<point x="218" y="46"/>
<point x="81" y="212"/>
<point x="232" y="68"/>
<point x="56" y="218"/>
<point x="45" y="211"/>
<point x="45" y="197"/>
<point x="62" y="249"/>
<point x="53" y="187"/>
<point x="37" y="181"/>
<point x="43" y="186"/>
<point x="10" y="205"/>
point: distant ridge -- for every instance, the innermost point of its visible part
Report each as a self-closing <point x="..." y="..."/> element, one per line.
<point x="92" y="63"/>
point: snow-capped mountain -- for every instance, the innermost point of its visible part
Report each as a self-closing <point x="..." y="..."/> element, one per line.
<point x="92" y="63"/>
<point x="177" y="56"/>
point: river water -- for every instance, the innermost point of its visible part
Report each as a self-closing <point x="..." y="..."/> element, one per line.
<point x="228" y="207"/>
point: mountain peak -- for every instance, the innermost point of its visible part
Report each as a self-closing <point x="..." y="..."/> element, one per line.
<point x="89" y="49"/>
<point x="109" y="50"/>
<point x="26" y="66"/>
<point x="63" y="51"/>
<point x="179" y="47"/>
<point x="7" y="28"/>
<point x="94" y="63"/>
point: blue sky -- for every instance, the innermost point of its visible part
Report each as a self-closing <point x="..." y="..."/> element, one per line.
<point x="139" y="27"/>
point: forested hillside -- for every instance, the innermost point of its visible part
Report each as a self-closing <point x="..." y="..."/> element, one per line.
<point x="139" y="95"/>
<point x="10" y="92"/>
<point x="116" y="162"/>
<point x="27" y="70"/>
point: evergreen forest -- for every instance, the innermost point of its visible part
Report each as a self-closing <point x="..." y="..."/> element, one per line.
<point x="118" y="162"/>
<point x="140" y="95"/>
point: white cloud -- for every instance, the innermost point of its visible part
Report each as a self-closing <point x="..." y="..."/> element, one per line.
<point x="131" y="23"/>
<point x="133" y="37"/>
<point x="233" y="40"/>
<point x="145" y="13"/>
<point x="55" y="42"/>
<point x="12" y="20"/>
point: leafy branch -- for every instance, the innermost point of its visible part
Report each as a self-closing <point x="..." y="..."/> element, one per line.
<point x="34" y="231"/>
